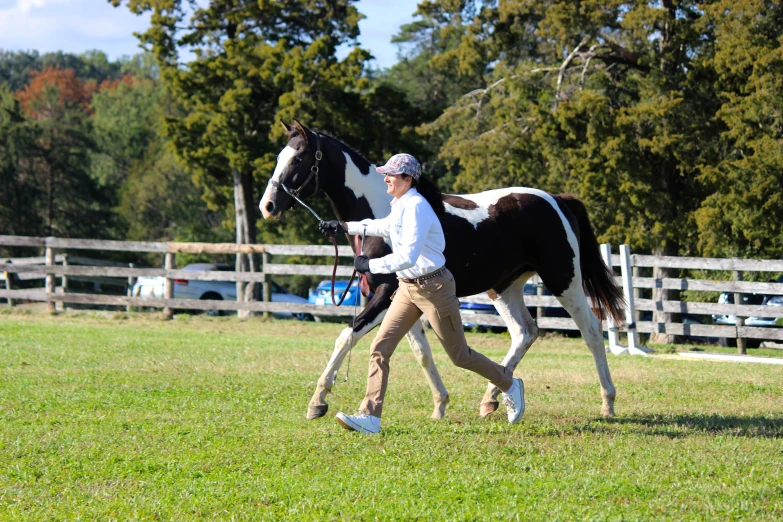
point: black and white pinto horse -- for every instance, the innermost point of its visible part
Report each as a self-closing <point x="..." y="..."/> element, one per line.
<point x="495" y="241"/>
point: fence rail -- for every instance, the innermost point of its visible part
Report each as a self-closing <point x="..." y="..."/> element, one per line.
<point x="665" y="308"/>
<point x="56" y="263"/>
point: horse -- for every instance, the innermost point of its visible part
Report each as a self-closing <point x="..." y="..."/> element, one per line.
<point x="495" y="241"/>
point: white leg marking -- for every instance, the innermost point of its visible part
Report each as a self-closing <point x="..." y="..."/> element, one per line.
<point x="575" y="303"/>
<point x="510" y="304"/>
<point x="345" y="341"/>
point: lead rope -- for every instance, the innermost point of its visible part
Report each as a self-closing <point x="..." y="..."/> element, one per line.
<point x="356" y="301"/>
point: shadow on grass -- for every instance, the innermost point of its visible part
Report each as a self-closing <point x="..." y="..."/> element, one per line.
<point x="683" y="425"/>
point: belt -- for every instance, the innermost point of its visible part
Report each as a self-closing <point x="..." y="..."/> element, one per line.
<point x="419" y="280"/>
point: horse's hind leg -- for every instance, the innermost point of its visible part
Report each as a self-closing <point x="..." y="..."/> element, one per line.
<point x="421" y="350"/>
<point x="510" y="304"/>
<point x="575" y="303"/>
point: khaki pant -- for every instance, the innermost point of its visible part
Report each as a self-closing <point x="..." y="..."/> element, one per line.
<point x="436" y="298"/>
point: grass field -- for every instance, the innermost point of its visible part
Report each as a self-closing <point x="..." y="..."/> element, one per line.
<point x="111" y="418"/>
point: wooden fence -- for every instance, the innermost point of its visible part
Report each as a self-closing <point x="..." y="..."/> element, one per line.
<point x="60" y="265"/>
<point x="633" y="284"/>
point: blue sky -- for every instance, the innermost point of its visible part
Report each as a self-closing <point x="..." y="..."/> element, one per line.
<point x="76" y="26"/>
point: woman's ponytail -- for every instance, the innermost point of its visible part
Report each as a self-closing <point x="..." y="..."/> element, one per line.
<point x="431" y="193"/>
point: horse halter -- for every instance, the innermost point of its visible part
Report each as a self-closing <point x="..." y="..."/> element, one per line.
<point x="313" y="174"/>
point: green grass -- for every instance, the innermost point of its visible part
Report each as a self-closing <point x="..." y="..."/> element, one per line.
<point x="107" y="418"/>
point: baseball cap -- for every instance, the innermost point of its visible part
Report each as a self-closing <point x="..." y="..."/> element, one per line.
<point x="401" y="164"/>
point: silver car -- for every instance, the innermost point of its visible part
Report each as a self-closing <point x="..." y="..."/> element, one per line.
<point x="749" y="299"/>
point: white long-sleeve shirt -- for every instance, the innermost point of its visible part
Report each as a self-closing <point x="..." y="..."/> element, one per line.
<point x="415" y="233"/>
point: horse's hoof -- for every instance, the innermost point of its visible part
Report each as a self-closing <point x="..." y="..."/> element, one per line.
<point x="316" y="412"/>
<point x="486" y="408"/>
<point x="607" y="413"/>
<point x="440" y="409"/>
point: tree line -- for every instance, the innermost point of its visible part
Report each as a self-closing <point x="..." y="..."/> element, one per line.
<point x="665" y="117"/>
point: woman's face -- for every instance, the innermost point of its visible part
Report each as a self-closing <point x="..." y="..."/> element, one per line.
<point x="397" y="185"/>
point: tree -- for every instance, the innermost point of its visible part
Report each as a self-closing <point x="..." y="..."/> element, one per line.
<point x="127" y="116"/>
<point x="743" y="216"/>
<point x="18" y="150"/>
<point x="433" y="77"/>
<point x="57" y="102"/>
<point x="154" y="195"/>
<point x="15" y="67"/>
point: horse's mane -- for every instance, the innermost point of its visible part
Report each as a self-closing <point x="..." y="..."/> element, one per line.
<point x="344" y="145"/>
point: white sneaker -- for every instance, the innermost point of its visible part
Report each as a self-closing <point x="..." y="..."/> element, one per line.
<point x="362" y="423"/>
<point x="514" y="399"/>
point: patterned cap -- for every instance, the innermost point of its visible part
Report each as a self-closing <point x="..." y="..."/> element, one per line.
<point x="401" y="164"/>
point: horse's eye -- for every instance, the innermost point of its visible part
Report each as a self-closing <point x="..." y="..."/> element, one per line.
<point x="297" y="159"/>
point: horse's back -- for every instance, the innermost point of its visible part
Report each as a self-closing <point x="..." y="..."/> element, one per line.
<point x="493" y="237"/>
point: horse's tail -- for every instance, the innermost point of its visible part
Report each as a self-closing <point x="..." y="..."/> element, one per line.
<point x="597" y="278"/>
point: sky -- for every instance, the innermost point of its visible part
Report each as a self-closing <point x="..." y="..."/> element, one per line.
<point x="76" y="26"/>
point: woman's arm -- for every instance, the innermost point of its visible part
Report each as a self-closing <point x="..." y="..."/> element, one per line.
<point x="416" y="225"/>
<point x="370" y="227"/>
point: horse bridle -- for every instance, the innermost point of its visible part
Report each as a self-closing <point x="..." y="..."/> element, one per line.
<point x="313" y="174"/>
<point x="295" y="194"/>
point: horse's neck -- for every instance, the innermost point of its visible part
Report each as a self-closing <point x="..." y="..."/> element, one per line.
<point x="357" y="180"/>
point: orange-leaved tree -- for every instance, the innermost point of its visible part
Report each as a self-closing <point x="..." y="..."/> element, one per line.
<point x="58" y="102"/>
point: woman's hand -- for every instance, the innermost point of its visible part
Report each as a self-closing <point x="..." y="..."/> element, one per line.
<point x="362" y="264"/>
<point x="331" y="228"/>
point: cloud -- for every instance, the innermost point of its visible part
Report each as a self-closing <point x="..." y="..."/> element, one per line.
<point x="73" y="26"/>
<point x="25" y="6"/>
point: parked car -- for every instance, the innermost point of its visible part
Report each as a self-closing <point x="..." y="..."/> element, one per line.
<point x="322" y="295"/>
<point x="479" y="309"/>
<point x="213" y="290"/>
<point x="749" y="299"/>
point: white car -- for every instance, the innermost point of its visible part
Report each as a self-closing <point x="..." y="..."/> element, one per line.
<point x="213" y="290"/>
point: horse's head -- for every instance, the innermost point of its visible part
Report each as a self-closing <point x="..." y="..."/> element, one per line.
<point x="297" y="171"/>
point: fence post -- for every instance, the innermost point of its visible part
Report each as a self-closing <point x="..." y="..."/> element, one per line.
<point x="65" y="279"/>
<point x="630" y="309"/>
<point x="50" y="281"/>
<point x="267" y="284"/>
<point x="637" y="292"/>
<point x="740" y="320"/>
<point x="131" y="282"/>
<point x="168" y="289"/>
<point x="8" y="284"/>
<point x="239" y="266"/>
<point x="539" y="293"/>
<point x="614" y="345"/>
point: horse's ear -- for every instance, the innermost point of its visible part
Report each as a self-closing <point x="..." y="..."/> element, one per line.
<point x="300" y="128"/>
<point x="288" y="129"/>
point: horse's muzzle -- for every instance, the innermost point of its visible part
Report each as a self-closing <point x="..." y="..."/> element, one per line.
<point x="269" y="209"/>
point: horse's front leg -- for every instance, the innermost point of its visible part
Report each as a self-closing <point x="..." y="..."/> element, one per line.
<point x="318" y="405"/>
<point x="421" y="350"/>
<point x="369" y="318"/>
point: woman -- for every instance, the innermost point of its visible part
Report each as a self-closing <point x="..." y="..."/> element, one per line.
<point x="426" y="287"/>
